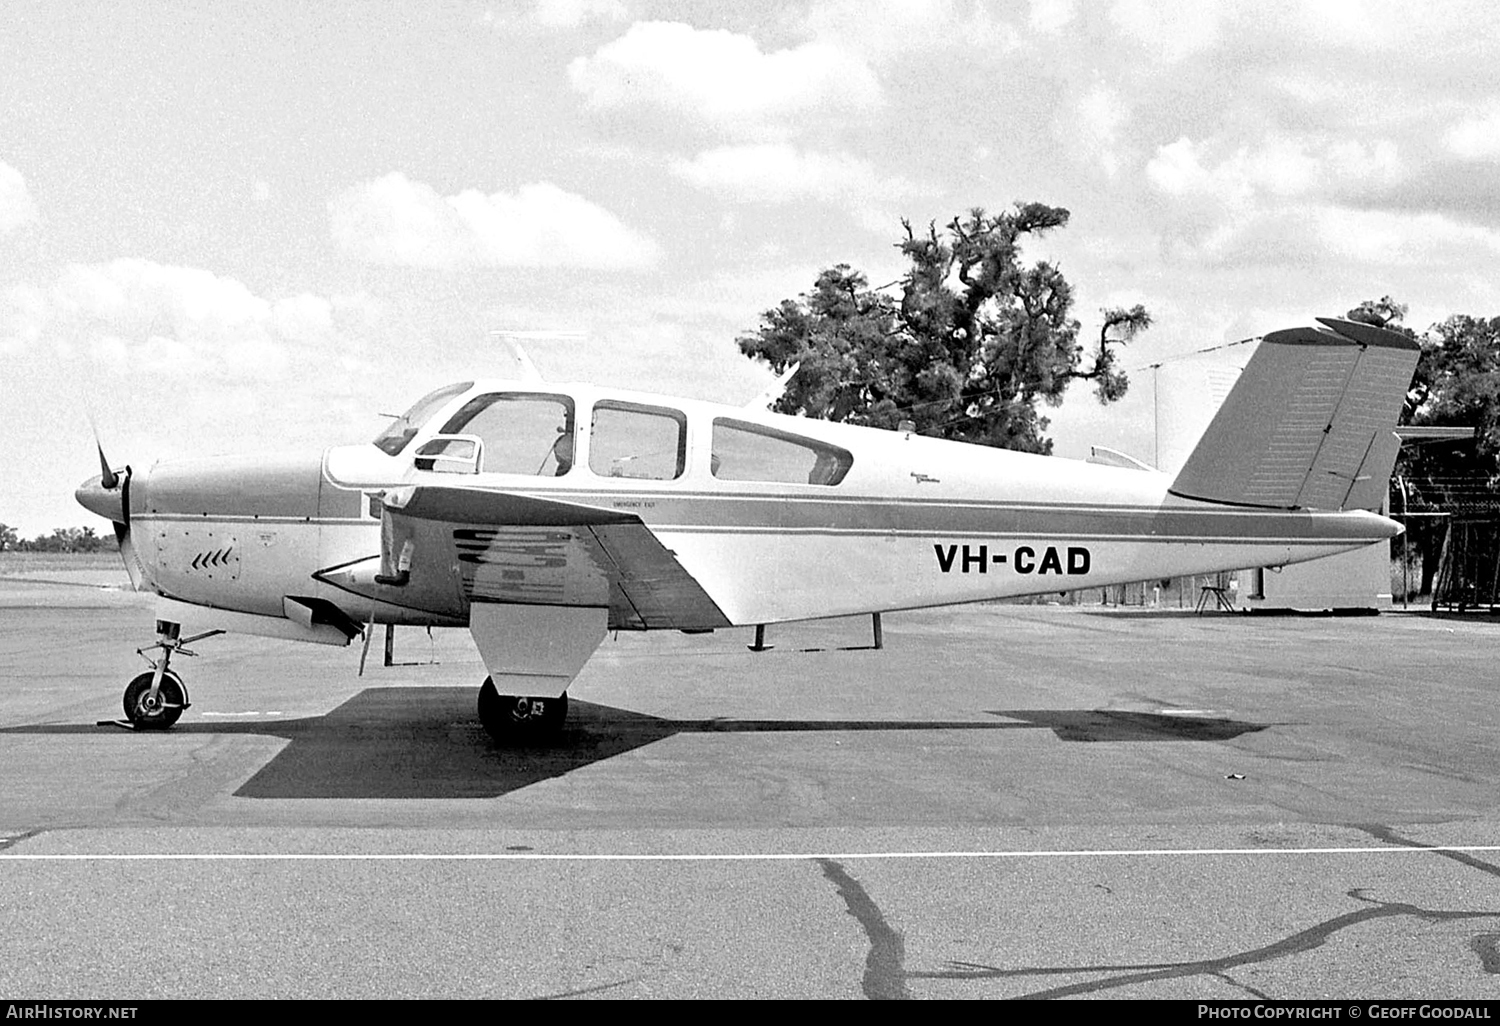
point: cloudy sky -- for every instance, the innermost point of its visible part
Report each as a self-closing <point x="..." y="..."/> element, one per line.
<point x="225" y="227"/>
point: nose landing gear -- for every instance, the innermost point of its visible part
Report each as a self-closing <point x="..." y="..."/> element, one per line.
<point x="156" y="699"/>
<point x="155" y="702"/>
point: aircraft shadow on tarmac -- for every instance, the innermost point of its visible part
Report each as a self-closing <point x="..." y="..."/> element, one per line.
<point x="404" y="742"/>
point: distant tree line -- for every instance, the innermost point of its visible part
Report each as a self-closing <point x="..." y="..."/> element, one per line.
<point x="62" y="539"/>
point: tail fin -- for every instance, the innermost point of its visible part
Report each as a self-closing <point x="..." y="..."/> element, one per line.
<point x="1310" y="423"/>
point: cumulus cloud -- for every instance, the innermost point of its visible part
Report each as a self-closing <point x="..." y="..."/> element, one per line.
<point x="302" y="318"/>
<point x="1308" y="234"/>
<point x="1402" y="239"/>
<point x="779" y="173"/>
<point x="880" y="30"/>
<point x="1288" y="201"/>
<point x="23" y="316"/>
<point x="393" y="220"/>
<point x="1092" y="125"/>
<point x="16" y="205"/>
<point x="137" y="315"/>
<point x="1048" y="16"/>
<point x="553" y="15"/>
<point x="573" y="13"/>
<point x="1353" y="24"/>
<point x="1171" y="29"/>
<point x="1278" y="166"/>
<point x="1476" y="138"/>
<point x="1177" y="170"/>
<point x="134" y="295"/>
<point x="1333" y="36"/>
<point x="722" y="79"/>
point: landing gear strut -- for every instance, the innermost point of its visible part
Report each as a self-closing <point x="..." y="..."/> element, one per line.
<point x="155" y="699"/>
<point x="520" y="718"/>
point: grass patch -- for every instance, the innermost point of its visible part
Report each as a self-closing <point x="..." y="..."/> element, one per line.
<point x="15" y="564"/>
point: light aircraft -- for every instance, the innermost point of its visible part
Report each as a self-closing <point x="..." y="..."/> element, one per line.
<point x="541" y="516"/>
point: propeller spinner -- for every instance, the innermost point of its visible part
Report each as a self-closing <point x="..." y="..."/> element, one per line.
<point x="108" y="496"/>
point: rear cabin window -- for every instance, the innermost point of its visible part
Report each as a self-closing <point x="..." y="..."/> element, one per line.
<point x="750" y="452"/>
<point x="644" y="442"/>
<point x="523" y="432"/>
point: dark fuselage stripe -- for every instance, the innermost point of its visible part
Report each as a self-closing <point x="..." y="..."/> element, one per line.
<point x="922" y="518"/>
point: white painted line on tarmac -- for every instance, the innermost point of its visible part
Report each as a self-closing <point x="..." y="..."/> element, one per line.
<point x="534" y="856"/>
<point x="268" y="712"/>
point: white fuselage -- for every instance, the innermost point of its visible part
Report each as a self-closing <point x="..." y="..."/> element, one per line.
<point x="914" y="522"/>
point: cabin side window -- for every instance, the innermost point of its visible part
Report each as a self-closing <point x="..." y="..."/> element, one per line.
<point x="752" y="452"/>
<point x="523" y="432"/>
<point x="643" y="442"/>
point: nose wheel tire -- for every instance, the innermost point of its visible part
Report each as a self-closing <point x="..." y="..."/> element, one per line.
<point x="159" y="713"/>
<point x="520" y="718"/>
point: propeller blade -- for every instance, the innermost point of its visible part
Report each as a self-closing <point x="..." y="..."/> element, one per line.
<point x="96" y="497"/>
<point x="109" y="479"/>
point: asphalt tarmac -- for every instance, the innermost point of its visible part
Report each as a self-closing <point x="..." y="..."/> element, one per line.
<point x="1005" y="801"/>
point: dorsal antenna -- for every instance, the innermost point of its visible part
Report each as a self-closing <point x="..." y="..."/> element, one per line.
<point x="513" y="339"/>
<point x="775" y="390"/>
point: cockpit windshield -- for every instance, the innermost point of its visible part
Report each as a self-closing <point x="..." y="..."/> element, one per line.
<point x="401" y="430"/>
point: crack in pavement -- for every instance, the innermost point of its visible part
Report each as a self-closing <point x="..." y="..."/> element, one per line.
<point x="1259" y="995"/>
<point x="1389" y="836"/>
<point x="1302" y="941"/>
<point x="588" y="990"/>
<point x="885" y="974"/>
<point x="11" y="841"/>
<point x="1485" y="945"/>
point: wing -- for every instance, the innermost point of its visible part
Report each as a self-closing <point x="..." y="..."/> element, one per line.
<point x="468" y="545"/>
<point x="538" y="581"/>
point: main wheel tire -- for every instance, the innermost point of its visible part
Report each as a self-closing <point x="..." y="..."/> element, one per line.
<point x="171" y="699"/>
<point x="520" y="718"/>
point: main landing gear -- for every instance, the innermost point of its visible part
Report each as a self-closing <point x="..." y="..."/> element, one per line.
<point x="155" y="699"/>
<point x="522" y="719"/>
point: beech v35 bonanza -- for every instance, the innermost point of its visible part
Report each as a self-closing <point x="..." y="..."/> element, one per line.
<point x="542" y="516"/>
